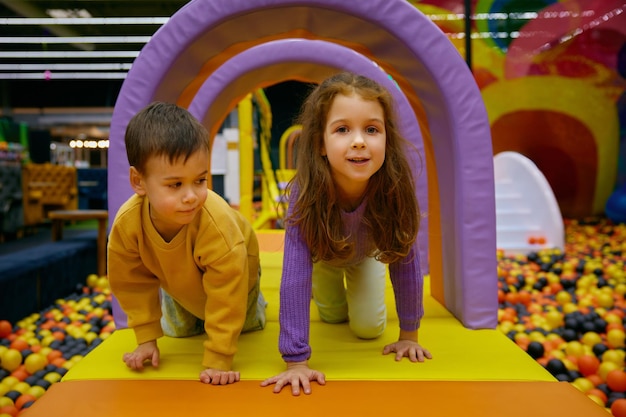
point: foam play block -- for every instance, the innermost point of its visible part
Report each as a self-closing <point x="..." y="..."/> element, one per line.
<point x="130" y="398"/>
<point x="459" y="354"/>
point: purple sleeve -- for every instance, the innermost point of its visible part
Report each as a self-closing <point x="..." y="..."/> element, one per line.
<point x="408" y="288"/>
<point x="295" y="297"/>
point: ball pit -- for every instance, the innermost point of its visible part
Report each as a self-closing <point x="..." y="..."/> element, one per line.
<point x="566" y="309"/>
<point x="38" y="350"/>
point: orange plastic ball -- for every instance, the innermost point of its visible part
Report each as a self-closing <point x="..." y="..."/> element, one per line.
<point x="5" y="329"/>
<point x="588" y="364"/>
<point x="616" y="380"/>
<point x="10" y="410"/>
<point x="23" y="399"/>
<point x="19" y="344"/>
<point x="598" y="393"/>
<point x="618" y="408"/>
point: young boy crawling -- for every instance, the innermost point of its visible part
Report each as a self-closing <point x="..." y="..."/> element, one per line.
<point x="181" y="260"/>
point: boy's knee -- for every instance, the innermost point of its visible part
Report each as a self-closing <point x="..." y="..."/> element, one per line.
<point x="255" y="316"/>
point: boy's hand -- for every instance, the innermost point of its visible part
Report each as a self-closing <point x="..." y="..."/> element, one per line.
<point x="147" y="351"/>
<point x="217" y="377"/>
<point x="297" y="374"/>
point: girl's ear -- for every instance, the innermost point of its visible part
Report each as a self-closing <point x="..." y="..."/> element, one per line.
<point x="136" y="181"/>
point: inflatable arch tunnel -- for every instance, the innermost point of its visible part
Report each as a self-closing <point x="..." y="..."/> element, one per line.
<point x="212" y="53"/>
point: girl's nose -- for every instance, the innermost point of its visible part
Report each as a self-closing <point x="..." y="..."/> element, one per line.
<point x="357" y="141"/>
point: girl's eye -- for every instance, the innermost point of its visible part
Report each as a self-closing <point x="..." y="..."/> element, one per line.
<point x="371" y="130"/>
<point x="342" y="129"/>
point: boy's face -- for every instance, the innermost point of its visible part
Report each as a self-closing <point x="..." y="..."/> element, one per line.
<point x="176" y="191"/>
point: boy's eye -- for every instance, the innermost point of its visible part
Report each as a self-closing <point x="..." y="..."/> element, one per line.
<point x="175" y="185"/>
<point x="201" y="180"/>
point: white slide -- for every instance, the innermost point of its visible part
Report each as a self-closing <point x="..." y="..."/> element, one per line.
<point x="528" y="217"/>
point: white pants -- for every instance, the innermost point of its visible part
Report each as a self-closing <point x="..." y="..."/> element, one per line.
<point x="360" y="300"/>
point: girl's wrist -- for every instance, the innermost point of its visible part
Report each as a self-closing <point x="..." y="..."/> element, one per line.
<point x="408" y="335"/>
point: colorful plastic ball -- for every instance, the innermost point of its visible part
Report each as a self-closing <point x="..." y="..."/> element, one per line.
<point x="615" y="208"/>
<point x="616" y="380"/>
<point x="591" y="339"/>
<point x="582" y="384"/>
<point x="35" y="362"/>
<point x="618" y="408"/>
<point x="23" y="399"/>
<point x="5" y="329"/>
<point x="535" y="350"/>
<point x="11" y="359"/>
<point x="606" y="367"/>
<point x="5" y="401"/>
<point x="13" y="395"/>
<point x="588" y="365"/>
<point x="556" y="366"/>
<point x="10" y="410"/>
<point x="616" y="338"/>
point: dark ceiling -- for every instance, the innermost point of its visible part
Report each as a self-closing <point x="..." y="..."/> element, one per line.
<point x="69" y="83"/>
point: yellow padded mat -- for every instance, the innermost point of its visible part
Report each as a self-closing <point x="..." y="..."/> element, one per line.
<point x="459" y="353"/>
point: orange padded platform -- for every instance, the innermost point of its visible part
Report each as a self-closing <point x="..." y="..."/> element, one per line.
<point x="128" y="398"/>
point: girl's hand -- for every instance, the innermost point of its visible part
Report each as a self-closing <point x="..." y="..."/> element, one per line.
<point x="297" y="374"/>
<point x="217" y="377"/>
<point x="412" y="350"/>
<point x="147" y="351"/>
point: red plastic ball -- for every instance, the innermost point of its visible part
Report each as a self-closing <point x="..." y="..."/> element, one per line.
<point x="618" y="408"/>
<point x="616" y="380"/>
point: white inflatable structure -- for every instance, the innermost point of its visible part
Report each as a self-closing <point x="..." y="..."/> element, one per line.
<point x="528" y="217"/>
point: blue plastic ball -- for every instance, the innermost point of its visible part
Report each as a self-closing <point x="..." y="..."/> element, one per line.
<point x="615" y="208"/>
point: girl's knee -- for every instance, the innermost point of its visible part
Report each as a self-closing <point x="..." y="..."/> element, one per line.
<point x="333" y="316"/>
<point x="367" y="330"/>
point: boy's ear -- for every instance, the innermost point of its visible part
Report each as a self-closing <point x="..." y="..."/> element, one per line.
<point x="136" y="181"/>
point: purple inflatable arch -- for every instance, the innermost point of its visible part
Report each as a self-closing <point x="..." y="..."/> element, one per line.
<point x="194" y="60"/>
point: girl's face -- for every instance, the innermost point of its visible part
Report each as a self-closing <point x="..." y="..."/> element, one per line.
<point x="176" y="191"/>
<point x="354" y="143"/>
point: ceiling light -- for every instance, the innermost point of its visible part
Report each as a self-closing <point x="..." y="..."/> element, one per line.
<point x="75" y="39"/>
<point x="46" y="75"/>
<point x="65" y="67"/>
<point x="79" y="13"/>
<point x="69" y="54"/>
<point x="45" y="21"/>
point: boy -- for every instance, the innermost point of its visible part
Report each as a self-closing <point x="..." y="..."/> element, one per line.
<point x="180" y="259"/>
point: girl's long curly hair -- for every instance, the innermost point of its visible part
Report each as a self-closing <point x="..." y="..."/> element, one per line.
<point x="392" y="212"/>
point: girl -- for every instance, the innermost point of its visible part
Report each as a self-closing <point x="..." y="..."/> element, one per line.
<point x="352" y="209"/>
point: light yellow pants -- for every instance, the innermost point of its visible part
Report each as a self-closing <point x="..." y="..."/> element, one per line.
<point x="176" y="321"/>
<point x="358" y="299"/>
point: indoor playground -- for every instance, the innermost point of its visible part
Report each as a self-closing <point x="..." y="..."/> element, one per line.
<point x="522" y="186"/>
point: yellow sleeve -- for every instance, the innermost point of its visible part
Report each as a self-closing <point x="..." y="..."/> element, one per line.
<point x="226" y="285"/>
<point x="132" y="284"/>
